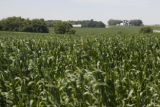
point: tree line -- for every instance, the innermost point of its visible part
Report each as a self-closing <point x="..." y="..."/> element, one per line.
<point x="85" y="23"/>
<point x="136" y="22"/>
<point x="20" y="24"/>
<point x="23" y="25"/>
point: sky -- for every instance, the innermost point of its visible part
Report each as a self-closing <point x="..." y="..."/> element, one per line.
<point x="100" y="10"/>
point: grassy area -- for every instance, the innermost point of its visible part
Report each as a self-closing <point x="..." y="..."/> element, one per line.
<point x="156" y="27"/>
<point x="110" y="67"/>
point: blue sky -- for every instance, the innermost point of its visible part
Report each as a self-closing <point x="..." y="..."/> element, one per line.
<point x="101" y="10"/>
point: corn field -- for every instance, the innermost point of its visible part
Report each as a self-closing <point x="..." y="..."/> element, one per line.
<point x="110" y="69"/>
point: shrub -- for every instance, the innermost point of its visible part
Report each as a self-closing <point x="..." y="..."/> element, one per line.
<point x="146" y="29"/>
<point x="72" y="31"/>
<point x="0" y="27"/>
<point x="63" y="28"/>
<point x="27" y="28"/>
<point x="59" y="28"/>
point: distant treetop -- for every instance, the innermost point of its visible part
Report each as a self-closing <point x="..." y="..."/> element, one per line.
<point x="113" y="22"/>
<point x="23" y="25"/>
<point x="85" y="23"/>
<point x="136" y="22"/>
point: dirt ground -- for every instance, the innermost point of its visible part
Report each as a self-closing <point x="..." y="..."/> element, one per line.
<point x="157" y="31"/>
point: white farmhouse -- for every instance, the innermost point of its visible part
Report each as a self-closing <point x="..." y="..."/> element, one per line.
<point x="125" y="23"/>
<point x="121" y="24"/>
<point x="77" y="26"/>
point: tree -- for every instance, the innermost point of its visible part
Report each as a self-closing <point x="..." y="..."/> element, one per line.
<point x="100" y="25"/>
<point x="39" y="25"/>
<point x="136" y="22"/>
<point x="23" y="25"/>
<point x="63" y="28"/>
<point x="52" y="23"/>
<point x="27" y="26"/>
<point x="146" y="29"/>
<point x="113" y="22"/>
<point x="85" y="23"/>
<point x="12" y="23"/>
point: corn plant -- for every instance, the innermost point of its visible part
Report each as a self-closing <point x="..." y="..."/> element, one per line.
<point x="104" y="69"/>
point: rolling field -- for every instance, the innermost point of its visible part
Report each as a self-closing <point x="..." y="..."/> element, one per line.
<point x="114" y="67"/>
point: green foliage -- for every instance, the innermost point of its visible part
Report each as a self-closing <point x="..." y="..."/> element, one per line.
<point x="52" y="23"/>
<point x="90" y="23"/>
<point x="63" y="28"/>
<point x="72" y="31"/>
<point x="84" y="23"/>
<point x="146" y="29"/>
<point x="39" y="25"/>
<point x="113" y="22"/>
<point x="136" y="22"/>
<point x="0" y="26"/>
<point x="23" y="25"/>
<point x="97" y="68"/>
<point x="12" y="23"/>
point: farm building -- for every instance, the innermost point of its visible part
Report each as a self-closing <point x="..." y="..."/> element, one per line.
<point x="124" y="23"/>
<point x="77" y="26"/>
